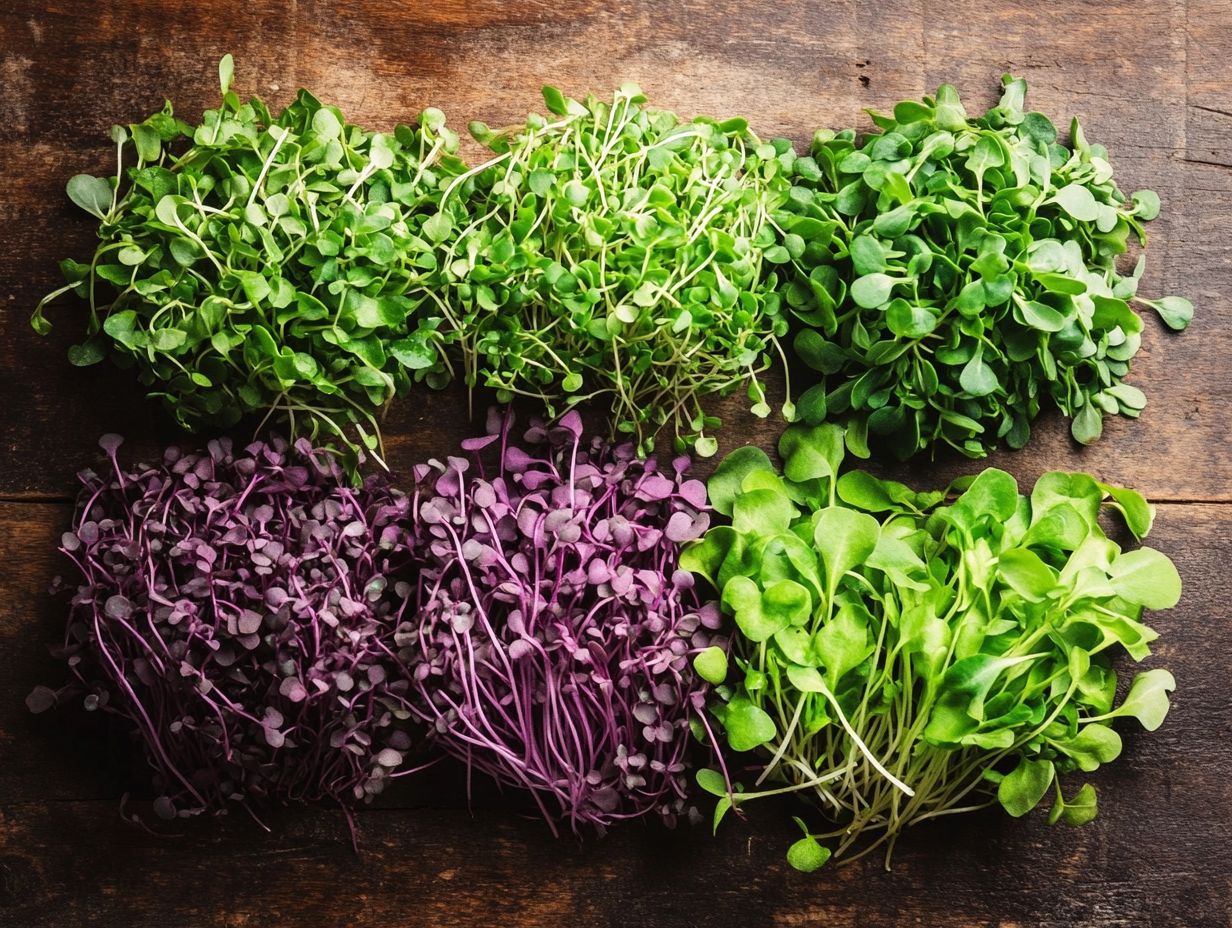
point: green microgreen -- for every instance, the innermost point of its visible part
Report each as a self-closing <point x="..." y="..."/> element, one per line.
<point x="275" y="265"/>
<point x="614" y="253"/>
<point x="901" y="656"/>
<point x="953" y="273"/>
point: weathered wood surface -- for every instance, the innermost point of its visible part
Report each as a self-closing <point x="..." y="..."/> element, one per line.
<point x="1152" y="80"/>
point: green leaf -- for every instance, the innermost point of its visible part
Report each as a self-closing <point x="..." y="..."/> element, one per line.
<point x="326" y="124"/>
<point x="88" y="352"/>
<point x="1021" y="789"/>
<point x="226" y="70"/>
<point x="872" y="290"/>
<point x="711" y="781"/>
<point x="93" y="194"/>
<point x="1041" y="316"/>
<point x="1026" y="573"/>
<point x="1081" y="809"/>
<point x="992" y="495"/>
<point x="149" y="143"/>
<point x="1147" y="578"/>
<point x="724" y="485"/>
<point x="908" y="321"/>
<point x="121" y="327"/>
<point x="807" y="855"/>
<point x="762" y="511"/>
<point x="747" y="725"/>
<point x="811" y="452"/>
<point x="1078" y="201"/>
<point x="1087" y="425"/>
<point x="1138" y="513"/>
<point x="554" y="100"/>
<point x="1146" y="204"/>
<point x="844" y="539"/>
<point x="438" y="227"/>
<point x="977" y="378"/>
<point x="1175" y="311"/>
<point x="843" y="645"/>
<point x="757" y="618"/>
<point x="1147" y="700"/>
<point x="711" y="664"/>
<point x="1094" y="744"/>
<point x="414" y="352"/>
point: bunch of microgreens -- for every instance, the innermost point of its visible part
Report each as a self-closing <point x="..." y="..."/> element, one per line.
<point x="900" y="657"/>
<point x="616" y="253"/>
<point x="953" y="273"/>
<point x="552" y="630"/>
<point x="238" y="610"/>
<point x="266" y="264"/>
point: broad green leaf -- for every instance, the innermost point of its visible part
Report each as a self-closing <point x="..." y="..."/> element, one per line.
<point x="724" y="485"/>
<point x="842" y="643"/>
<point x="711" y="781"/>
<point x="1026" y="573"/>
<point x="872" y="290"/>
<point x="809" y="453"/>
<point x="762" y="512"/>
<point x="1147" y="578"/>
<point x="1087" y="425"/>
<point x="1022" y="788"/>
<point x="711" y="664"/>
<point x="1079" y="810"/>
<point x="747" y="725"/>
<point x="1078" y="201"/>
<point x="1094" y="744"/>
<point x="807" y="855"/>
<point x="1147" y="699"/>
<point x="1175" y="311"/>
<point x="844" y="538"/>
<point x="93" y="194"/>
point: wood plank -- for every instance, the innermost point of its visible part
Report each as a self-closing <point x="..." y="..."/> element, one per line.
<point x="1150" y="80"/>
<point x="818" y="66"/>
<point x="1158" y="854"/>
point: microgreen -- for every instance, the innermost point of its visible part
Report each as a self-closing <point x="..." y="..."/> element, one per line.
<point x="952" y="274"/>
<point x="275" y="265"/>
<point x="238" y="609"/>
<point x="900" y="656"/>
<point x="615" y="253"/>
<point x="556" y="636"/>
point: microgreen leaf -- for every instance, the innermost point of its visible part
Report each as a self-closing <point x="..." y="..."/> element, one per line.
<point x="642" y="273"/>
<point x="807" y="855"/>
<point x="93" y="194"/>
<point x="955" y="649"/>
<point x="1022" y="789"/>
<point x="957" y="274"/>
<point x="219" y="300"/>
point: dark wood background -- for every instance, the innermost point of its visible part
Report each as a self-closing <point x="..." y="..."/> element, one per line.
<point x="1152" y="80"/>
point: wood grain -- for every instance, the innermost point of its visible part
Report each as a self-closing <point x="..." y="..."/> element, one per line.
<point x="1151" y="80"/>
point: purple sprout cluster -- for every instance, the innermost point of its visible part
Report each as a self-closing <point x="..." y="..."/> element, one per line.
<point x="240" y="611"/>
<point x="553" y="631"/>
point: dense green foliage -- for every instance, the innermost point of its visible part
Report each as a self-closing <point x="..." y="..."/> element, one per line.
<point x="953" y="273"/>
<point x="267" y="264"/>
<point x="613" y="252"/>
<point x="901" y="656"/>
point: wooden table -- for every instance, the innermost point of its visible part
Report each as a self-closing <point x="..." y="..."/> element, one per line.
<point x="1152" y="80"/>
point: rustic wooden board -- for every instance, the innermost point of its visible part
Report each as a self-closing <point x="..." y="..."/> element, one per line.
<point x="1152" y="80"/>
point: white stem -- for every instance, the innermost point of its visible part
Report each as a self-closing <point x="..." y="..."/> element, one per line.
<point x="851" y="733"/>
